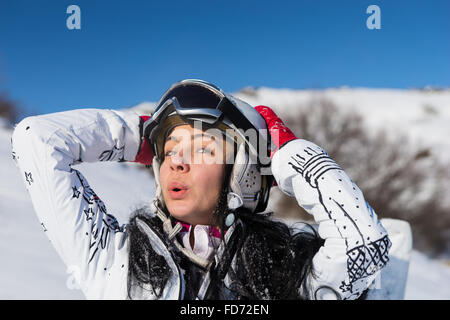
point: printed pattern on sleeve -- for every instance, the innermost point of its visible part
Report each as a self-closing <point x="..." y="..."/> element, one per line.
<point x="102" y="224"/>
<point x="340" y="206"/>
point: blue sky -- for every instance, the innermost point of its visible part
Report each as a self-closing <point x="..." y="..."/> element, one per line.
<point x="131" y="51"/>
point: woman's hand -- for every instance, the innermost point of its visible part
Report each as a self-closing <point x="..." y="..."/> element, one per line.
<point x="279" y="133"/>
<point x="145" y="153"/>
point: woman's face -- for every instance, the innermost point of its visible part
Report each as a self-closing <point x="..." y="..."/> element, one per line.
<point x="192" y="174"/>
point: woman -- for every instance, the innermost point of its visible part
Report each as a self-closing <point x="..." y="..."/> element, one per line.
<point x="204" y="236"/>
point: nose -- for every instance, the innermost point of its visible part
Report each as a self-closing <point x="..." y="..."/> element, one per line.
<point x="178" y="163"/>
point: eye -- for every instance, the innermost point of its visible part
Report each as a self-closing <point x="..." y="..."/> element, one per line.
<point x="169" y="153"/>
<point x="205" y="150"/>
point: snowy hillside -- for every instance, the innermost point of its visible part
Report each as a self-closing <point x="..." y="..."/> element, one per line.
<point x="30" y="268"/>
<point x="423" y="115"/>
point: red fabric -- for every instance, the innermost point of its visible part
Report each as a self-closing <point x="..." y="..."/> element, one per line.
<point x="279" y="133"/>
<point x="213" y="231"/>
<point x="145" y="155"/>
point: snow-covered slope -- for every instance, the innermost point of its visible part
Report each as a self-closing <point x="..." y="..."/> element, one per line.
<point x="30" y="268"/>
<point x="427" y="279"/>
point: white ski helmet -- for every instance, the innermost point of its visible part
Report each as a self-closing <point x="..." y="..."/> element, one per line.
<point x="197" y="100"/>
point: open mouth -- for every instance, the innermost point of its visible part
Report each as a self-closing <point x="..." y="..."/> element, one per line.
<point x="177" y="190"/>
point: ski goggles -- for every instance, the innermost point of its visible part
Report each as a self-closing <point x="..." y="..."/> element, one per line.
<point x="195" y="100"/>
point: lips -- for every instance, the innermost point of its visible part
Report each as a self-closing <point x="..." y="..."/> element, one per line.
<point x="177" y="190"/>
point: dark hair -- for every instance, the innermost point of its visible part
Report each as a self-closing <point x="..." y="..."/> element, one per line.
<point x="145" y="266"/>
<point x="272" y="260"/>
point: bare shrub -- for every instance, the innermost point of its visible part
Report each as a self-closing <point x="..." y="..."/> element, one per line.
<point x="398" y="179"/>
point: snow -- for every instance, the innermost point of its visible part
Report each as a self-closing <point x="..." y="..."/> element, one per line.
<point x="31" y="269"/>
<point x="427" y="279"/>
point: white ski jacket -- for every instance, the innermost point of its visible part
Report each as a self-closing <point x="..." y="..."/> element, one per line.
<point x="91" y="241"/>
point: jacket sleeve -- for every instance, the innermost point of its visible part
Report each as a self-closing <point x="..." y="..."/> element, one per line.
<point x="45" y="148"/>
<point x="356" y="244"/>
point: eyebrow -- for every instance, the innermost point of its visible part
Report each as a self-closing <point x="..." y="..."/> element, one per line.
<point x="195" y="136"/>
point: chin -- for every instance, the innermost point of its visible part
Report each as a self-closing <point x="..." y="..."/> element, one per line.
<point x="188" y="214"/>
<point x="179" y="211"/>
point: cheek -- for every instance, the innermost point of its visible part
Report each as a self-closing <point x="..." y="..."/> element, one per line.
<point x="209" y="178"/>
<point x="164" y="173"/>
